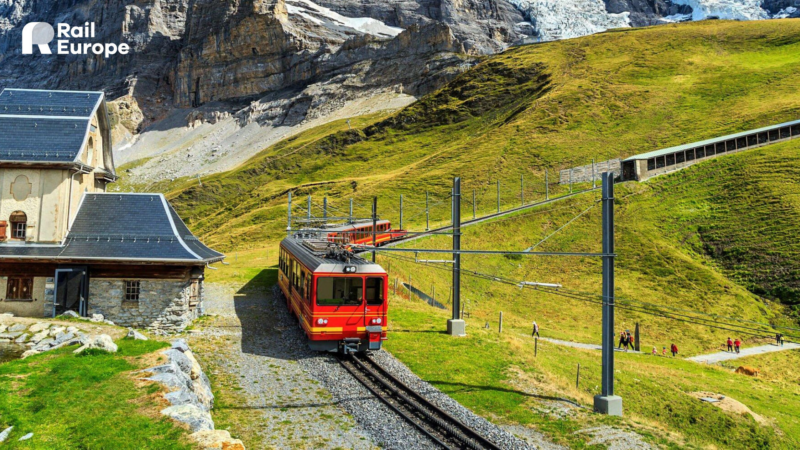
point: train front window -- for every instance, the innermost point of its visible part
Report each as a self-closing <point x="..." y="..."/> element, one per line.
<point x="374" y="291"/>
<point x="339" y="291"/>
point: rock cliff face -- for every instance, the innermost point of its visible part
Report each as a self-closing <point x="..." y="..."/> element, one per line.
<point x="286" y="63"/>
<point x="188" y="53"/>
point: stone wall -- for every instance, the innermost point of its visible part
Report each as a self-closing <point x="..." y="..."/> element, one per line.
<point x="163" y="304"/>
<point x="583" y="174"/>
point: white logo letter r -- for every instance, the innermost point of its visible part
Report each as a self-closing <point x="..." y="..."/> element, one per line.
<point x="37" y="33"/>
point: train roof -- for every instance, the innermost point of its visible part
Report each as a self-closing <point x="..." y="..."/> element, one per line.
<point x="351" y="226"/>
<point x="313" y="254"/>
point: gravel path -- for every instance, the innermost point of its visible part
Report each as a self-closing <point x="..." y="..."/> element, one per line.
<point x="252" y="344"/>
<point x="306" y="399"/>
<point x="750" y="351"/>
<point x="581" y="345"/>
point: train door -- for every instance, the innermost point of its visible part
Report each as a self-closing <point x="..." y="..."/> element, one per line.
<point x="374" y="309"/>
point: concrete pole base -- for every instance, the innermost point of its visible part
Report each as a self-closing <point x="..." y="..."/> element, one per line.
<point x="456" y="327"/>
<point x="610" y="405"/>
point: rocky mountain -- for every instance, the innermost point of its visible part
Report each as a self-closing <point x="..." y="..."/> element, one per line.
<point x="282" y="64"/>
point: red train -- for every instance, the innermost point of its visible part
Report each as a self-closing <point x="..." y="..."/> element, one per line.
<point x="361" y="233"/>
<point x="339" y="299"/>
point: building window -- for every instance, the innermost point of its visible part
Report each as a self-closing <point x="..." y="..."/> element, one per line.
<point x="132" y="289"/>
<point x="19" y="289"/>
<point x="19" y="224"/>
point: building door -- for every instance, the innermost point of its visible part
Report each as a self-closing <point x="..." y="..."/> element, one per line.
<point x="71" y="290"/>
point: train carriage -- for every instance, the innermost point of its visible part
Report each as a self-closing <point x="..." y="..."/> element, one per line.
<point x="361" y="233"/>
<point x="339" y="299"/>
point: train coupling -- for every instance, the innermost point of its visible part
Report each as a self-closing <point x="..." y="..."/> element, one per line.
<point x="351" y="345"/>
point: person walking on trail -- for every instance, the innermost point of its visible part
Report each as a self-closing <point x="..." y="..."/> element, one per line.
<point x="535" y="329"/>
<point x="737" y="344"/>
<point x="623" y="340"/>
<point x="730" y="345"/>
<point x="674" y="350"/>
<point x="663" y="351"/>
<point x="779" y="339"/>
<point x="655" y="353"/>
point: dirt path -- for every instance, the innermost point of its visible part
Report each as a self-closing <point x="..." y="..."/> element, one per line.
<point x="264" y="397"/>
<point x="750" y="351"/>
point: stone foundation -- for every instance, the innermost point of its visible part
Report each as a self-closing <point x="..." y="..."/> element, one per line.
<point x="164" y="305"/>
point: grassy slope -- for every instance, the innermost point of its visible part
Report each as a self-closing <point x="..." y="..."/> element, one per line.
<point x="670" y="233"/>
<point x="529" y="109"/>
<point x="89" y="401"/>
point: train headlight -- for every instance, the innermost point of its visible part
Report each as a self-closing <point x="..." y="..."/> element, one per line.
<point x="322" y="321"/>
<point x="350" y="269"/>
<point x="378" y="321"/>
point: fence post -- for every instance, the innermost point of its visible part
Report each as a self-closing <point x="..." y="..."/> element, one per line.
<point x="401" y="211"/>
<point x="325" y="210"/>
<point x="546" y="185"/>
<point x="473" y="204"/>
<point x="427" y="213"/>
<point x="309" y="210"/>
<point x="351" y="211"/>
<point x="500" y="329"/>
<point x="570" y="180"/>
<point x="498" y="196"/>
<point x="289" y="222"/>
<point x="522" y="189"/>
<point x="578" y="377"/>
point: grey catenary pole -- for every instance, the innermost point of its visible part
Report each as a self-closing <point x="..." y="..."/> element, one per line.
<point x="351" y="211"/>
<point x="607" y="402"/>
<point x="456" y="326"/>
<point x="325" y="210"/>
<point x="309" y="209"/>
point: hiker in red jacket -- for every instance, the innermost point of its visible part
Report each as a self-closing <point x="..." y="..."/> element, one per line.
<point x="737" y="344"/>
<point x="730" y="345"/>
<point x="674" y="350"/>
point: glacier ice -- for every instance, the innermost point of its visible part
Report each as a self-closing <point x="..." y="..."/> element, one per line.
<point x="320" y="15"/>
<point x="726" y="9"/>
<point x="564" y="19"/>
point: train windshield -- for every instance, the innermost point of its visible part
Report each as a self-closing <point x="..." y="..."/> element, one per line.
<point x="374" y="291"/>
<point x="339" y="291"/>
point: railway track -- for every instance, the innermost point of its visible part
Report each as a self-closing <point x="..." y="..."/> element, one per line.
<point x="442" y="428"/>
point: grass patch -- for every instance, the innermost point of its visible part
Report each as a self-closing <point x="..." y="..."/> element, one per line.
<point x="89" y="401"/>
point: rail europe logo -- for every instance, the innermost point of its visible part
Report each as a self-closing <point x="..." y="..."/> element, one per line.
<point x="41" y="34"/>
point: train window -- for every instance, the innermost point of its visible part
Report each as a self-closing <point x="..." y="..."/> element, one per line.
<point x="303" y="285"/>
<point x="374" y="291"/>
<point x="339" y="291"/>
<point x="651" y="164"/>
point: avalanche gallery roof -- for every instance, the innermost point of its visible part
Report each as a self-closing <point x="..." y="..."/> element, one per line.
<point x="47" y="126"/>
<point x="117" y="227"/>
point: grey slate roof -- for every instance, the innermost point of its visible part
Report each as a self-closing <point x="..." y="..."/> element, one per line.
<point x="30" y="102"/>
<point x="45" y="126"/>
<point x="123" y="227"/>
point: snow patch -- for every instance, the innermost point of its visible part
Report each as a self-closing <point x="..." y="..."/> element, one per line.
<point x="564" y="19"/>
<point x="725" y="9"/>
<point x="790" y="11"/>
<point x="676" y="18"/>
<point x="320" y="15"/>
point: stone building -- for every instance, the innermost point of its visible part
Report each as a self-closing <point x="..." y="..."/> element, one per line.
<point x="66" y="244"/>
